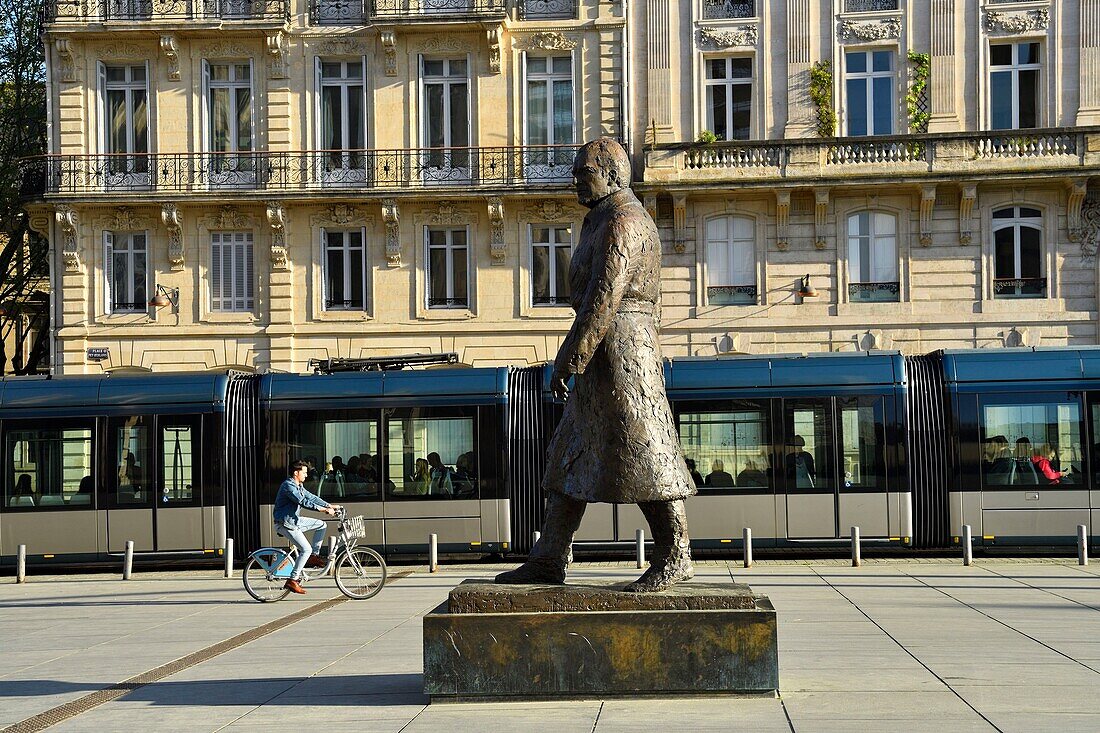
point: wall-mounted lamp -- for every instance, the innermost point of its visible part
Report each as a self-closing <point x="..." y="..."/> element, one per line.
<point x="806" y="290"/>
<point x="165" y="296"/>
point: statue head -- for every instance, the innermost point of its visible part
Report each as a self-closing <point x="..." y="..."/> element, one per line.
<point x="600" y="169"/>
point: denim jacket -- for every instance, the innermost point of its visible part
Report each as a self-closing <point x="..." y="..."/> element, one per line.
<point x="291" y="497"/>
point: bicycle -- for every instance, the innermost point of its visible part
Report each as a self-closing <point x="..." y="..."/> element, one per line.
<point x="359" y="572"/>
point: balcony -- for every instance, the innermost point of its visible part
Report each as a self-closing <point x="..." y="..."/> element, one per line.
<point x="361" y="171"/>
<point x="547" y="9"/>
<point x="157" y="11"/>
<point x="1046" y="153"/>
<point x="361" y="12"/>
<point x="874" y="292"/>
<point x="1020" y="287"/>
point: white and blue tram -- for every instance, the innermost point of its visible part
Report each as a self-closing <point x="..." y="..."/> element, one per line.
<point x="800" y="448"/>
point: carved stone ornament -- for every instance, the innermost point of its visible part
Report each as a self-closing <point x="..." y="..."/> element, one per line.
<point x="782" y="220"/>
<point x="967" y="197"/>
<point x="172" y="217"/>
<point x="389" y="47"/>
<point x="1075" y="199"/>
<point x="927" y="207"/>
<point x="171" y="50"/>
<point x="276" y="219"/>
<point x="552" y="210"/>
<point x="450" y="42"/>
<point x="338" y="215"/>
<point x="448" y="212"/>
<point x="821" y="216"/>
<point x="229" y="218"/>
<point x="122" y="219"/>
<point x="67" y="67"/>
<point x="391" y="216"/>
<point x="277" y="61"/>
<point x="343" y="47"/>
<point x="498" y="251"/>
<point x="876" y="30"/>
<point x="123" y="51"/>
<point x="544" y="41"/>
<point x="679" y="222"/>
<point x="1088" y="227"/>
<point x="744" y="35"/>
<point x="225" y="50"/>
<point x="649" y="202"/>
<point x="1020" y="22"/>
<point x="493" y="35"/>
<point x="70" y="249"/>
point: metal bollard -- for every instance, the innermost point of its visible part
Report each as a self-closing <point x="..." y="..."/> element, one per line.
<point x="968" y="546"/>
<point x="1082" y="544"/>
<point x="229" y="557"/>
<point x="433" y="553"/>
<point x="639" y="546"/>
<point x="746" y="540"/>
<point x="21" y="565"/>
<point x="128" y="562"/>
<point x="857" y="560"/>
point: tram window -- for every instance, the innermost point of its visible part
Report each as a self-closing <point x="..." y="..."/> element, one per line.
<point x="431" y="458"/>
<point x="342" y="454"/>
<point x="178" y="444"/>
<point x="727" y="449"/>
<point x="132" y="464"/>
<point x="805" y="456"/>
<point x="48" y="467"/>
<point x="862" y="443"/>
<point x="1031" y="443"/>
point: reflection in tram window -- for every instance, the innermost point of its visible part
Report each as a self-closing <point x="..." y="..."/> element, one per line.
<point x="48" y="468"/>
<point x="343" y="454"/>
<point x="862" y="445"/>
<point x="432" y="457"/>
<point x="177" y="457"/>
<point x="132" y="462"/>
<point x="729" y="449"/>
<point x="804" y="455"/>
<point x="1031" y="443"/>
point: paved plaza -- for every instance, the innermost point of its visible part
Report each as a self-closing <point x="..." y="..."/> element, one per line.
<point x="1010" y="645"/>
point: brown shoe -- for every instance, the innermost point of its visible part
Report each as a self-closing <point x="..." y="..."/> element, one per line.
<point x="294" y="586"/>
<point x="315" y="562"/>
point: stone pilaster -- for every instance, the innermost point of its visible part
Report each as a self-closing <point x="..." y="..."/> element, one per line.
<point x="1089" y="113"/>
<point x="943" y="82"/>
<point x="800" y="113"/>
<point x="658" y="70"/>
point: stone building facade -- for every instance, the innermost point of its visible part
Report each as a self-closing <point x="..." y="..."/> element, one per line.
<point x="305" y="179"/>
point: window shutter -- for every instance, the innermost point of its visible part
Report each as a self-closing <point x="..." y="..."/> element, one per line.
<point x="108" y="270"/>
<point x="249" y="280"/>
<point x="207" y="109"/>
<point x="216" y="302"/>
<point x="101" y="107"/>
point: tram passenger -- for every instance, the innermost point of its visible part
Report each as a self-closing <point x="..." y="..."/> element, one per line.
<point x="800" y="465"/>
<point x="83" y="493"/>
<point x="421" y="478"/>
<point x="376" y="476"/>
<point x="289" y="501"/>
<point x="441" y="476"/>
<point x="998" y="462"/>
<point x="695" y="475"/>
<point x="752" y="476"/>
<point x="718" y="475"/>
<point x="24" y="494"/>
<point x="1024" y="470"/>
<point x="462" y="477"/>
<point x="1042" y="458"/>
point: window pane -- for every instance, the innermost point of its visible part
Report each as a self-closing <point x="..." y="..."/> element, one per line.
<point x="1004" y="253"/>
<point x="356" y="295"/>
<point x="48" y="467"/>
<point x="461" y="286"/>
<point x="244" y="119"/>
<point x="882" y="61"/>
<point x="116" y="73"/>
<point x="536" y="64"/>
<point x="116" y="121"/>
<point x="563" y="112"/>
<point x="1000" y="54"/>
<point x="727" y="449"/>
<point x="857" y="107"/>
<point x="563" y="64"/>
<point x="139" y="298"/>
<point x="741" y="68"/>
<point x="334" y="277"/>
<point x="862" y="445"/>
<point x="1028" y="53"/>
<point x="540" y="275"/>
<point x="434" y="104"/>
<point x="805" y="457"/>
<point x="331" y="70"/>
<point x="856" y="62"/>
<point x="244" y="72"/>
<point x="1000" y="100"/>
<point x="1030" y="246"/>
<point x="177" y="456"/>
<point x="219" y="72"/>
<point x="742" y="111"/>
<point x="460" y="135"/>
<point x="437" y="275"/>
<point x="1029" y="213"/>
<point x="219" y="122"/>
<point x="141" y="121"/>
<point x="457" y="67"/>
<point x="540" y="235"/>
<point x="1031" y="443"/>
<point x="716" y="69"/>
<point x="564" y="255"/>
<point x="537" y="127"/>
<point x="716" y="111"/>
<point x="884" y="106"/>
<point x="437" y="237"/>
<point x="435" y="457"/>
<point x="132" y="462"/>
<point x="1029" y="97"/>
<point x="1006" y="213"/>
<point x="332" y="132"/>
<point x="342" y="455"/>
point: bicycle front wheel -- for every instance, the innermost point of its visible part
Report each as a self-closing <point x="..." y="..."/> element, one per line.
<point x="361" y="573"/>
<point x="259" y="583"/>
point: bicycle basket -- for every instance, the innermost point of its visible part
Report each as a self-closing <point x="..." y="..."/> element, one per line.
<point x="355" y="527"/>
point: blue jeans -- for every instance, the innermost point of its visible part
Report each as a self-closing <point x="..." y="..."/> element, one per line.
<point x="297" y="535"/>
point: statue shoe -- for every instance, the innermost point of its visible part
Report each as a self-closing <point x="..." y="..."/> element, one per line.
<point x="662" y="574"/>
<point x="534" y="572"/>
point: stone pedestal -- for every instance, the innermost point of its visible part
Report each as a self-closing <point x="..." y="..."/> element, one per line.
<point x="535" y="642"/>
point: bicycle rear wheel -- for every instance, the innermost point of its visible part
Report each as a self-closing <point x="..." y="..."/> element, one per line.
<point x="260" y="584"/>
<point x="361" y="573"/>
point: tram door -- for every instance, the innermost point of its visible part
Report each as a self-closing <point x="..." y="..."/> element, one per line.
<point x="153" y="497"/>
<point x="807" y="469"/>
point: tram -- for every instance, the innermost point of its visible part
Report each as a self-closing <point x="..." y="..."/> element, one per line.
<point x="798" y="447"/>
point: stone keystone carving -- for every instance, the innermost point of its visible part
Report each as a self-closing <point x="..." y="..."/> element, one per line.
<point x="70" y="249"/>
<point x="391" y="218"/>
<point x="497" y="249"/>
<point x="172" y="217"/>
<point x="67" y="67"/>
<point x="276" y="219"/>
<point x="493" y="35"/>
<point x="171" y="51"/>
<point x="745" y="35"/>
<point x="277" y="61"/>
<point x="878" y="30"/>
<point x="1022" y="22"/>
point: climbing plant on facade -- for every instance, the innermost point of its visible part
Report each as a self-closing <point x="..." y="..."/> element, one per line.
<point x="916" y="99"/>
<point x="821" y="94"/>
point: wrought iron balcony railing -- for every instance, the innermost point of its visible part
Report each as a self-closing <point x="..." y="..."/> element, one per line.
<point x="339" y="12"/>
<point x="869" y="6"/>
<point x="313" y="170"/>
<point x="550" y="300"/>
<point x="731" y="295"/>
<point x="547" y="9"/>
<point x="885" y="292"/>
<point x="352" y="304"/>
<point x="435" y="8"/>
<point x="92" y="11"/>
<point x="722" y="9"/>
<point x="1020" y="287"/>
<point x="1044" y="152"/>
<point x="448" y="302"/>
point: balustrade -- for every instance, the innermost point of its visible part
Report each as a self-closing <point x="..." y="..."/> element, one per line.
<point x="874" y="151"/>
<point x="1026" y="146"/>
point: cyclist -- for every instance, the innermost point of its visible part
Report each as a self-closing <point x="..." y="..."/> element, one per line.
<point x="291" y="498"/>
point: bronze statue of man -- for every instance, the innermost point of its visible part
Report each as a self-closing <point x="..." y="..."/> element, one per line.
<point x="617" y="440"/>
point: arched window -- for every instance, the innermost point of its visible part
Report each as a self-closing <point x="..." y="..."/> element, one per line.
<point x="873" y="257"/>
<point x="731" y="261"/>
<point x="1018" y="253"/>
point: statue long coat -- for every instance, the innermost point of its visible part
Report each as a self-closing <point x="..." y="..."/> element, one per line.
<point x="617" y="441"/>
